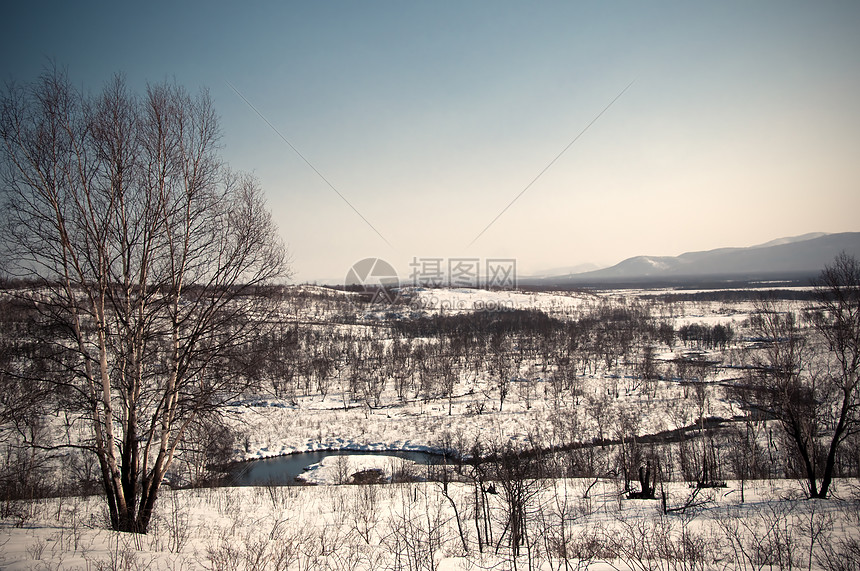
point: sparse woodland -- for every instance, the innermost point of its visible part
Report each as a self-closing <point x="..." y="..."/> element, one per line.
<point x="618" y="431"/>
<point x="146" y="344"/>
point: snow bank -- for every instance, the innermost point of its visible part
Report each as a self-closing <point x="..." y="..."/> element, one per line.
<point x="340" y="469"/>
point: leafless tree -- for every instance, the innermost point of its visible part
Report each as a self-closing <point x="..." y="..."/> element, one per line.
<point x="746" y="457"/>
<point x="207" y="447"/>
<point x="520" y="480"/>
<point x="783" y="386"/>
<point x="501" y="365"/>
<point x="149" y="257"/>
<point x="448" y="373"/>
<point x="837" y="318"/>
<point x="809" y="383"/>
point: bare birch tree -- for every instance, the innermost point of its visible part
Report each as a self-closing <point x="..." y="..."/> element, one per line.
<point x="146" y="255"/>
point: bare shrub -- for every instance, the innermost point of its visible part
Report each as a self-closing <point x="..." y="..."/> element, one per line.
<point x="122" y="556"/>
<point x="559" y="541"/>
<point x="36" y="549"/>
<point x="364" y="512"/>
<point x="178" y="530"/>
<point x="414" y="535"/>
<point x="842" y="554"/>
<point x="762" y="536"/>
<point x="223" y="557"/>
<point x="341" y="467"/>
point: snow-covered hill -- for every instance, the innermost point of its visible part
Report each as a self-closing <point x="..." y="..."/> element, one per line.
<point x="785" y="258"/>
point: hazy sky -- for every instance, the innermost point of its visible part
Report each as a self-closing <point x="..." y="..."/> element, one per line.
<point x="742" y="124"/>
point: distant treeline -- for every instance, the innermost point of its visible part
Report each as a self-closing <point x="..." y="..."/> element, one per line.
<point x="734" y="295"/>
<point x="485" y="322"/>
<point x="705" y="335"/>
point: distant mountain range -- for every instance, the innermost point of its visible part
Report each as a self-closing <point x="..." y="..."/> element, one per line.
<point x="567" y="270"/>
<point x="797" y="259"/>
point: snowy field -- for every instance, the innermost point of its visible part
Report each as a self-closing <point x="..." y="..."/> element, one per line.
<point x="605" y="407"/>
<point x="414" y="526"/>
<point x="272" y="427"/>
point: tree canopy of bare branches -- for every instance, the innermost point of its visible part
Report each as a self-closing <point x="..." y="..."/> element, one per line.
<point x="807" y="378"/>
<point x="141" y="249"/>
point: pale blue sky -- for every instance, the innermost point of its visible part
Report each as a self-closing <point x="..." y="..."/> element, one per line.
<point x="743" y="123"/>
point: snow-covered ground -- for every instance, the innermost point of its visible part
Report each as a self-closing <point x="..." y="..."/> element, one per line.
<point x="311" y="422"/>
<point x="426" y="426"/>
<point x="415" y="526"/>
<point x="572" y="524"/>
<point x="339" y="469"/>
<point x="454" y="300"/>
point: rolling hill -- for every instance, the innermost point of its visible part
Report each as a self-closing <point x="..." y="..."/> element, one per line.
<point x="796" y="259"/>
